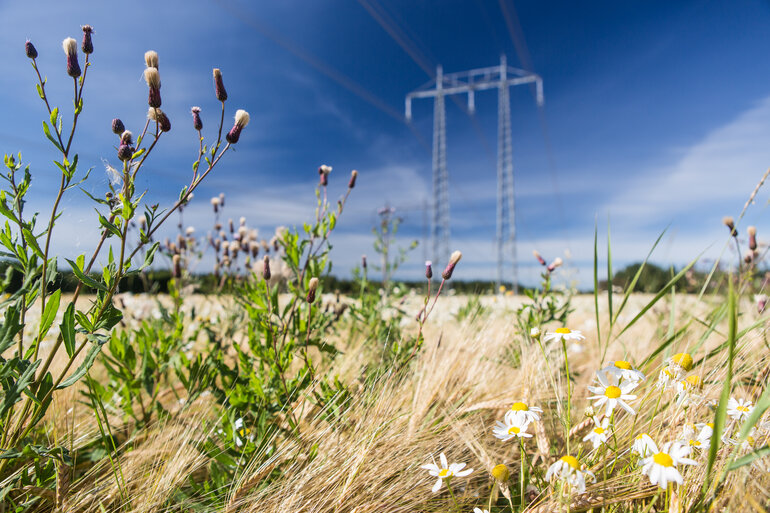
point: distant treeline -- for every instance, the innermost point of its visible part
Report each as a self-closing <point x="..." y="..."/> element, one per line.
<point x="652" y="279"/>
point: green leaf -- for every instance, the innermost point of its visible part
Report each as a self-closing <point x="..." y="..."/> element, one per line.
<point x="86" y="280"/>
<point x="49" y="314"/>
<point x="54" y="116"/>
<point x="110" y="227"/>
<point x="47" y="132"/>
<point x="67" y="328"/>
<point x="32" y="241"/>
<point x="88" y="362"/>
<point x="9" y="328"/>
<point x="749" y="458"/>
<point x="14" y="391"/>
<point x="150" y="255"/>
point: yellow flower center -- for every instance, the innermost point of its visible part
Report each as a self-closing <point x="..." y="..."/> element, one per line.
<point x="663" y="459"/>
<point x="695" y="443"/>
<point x="444" y="472"/>
<point x="563" y="331"/>
<point x="622" y="364"/>
<point x="519" y="407"/>
<point x="612" y="392"/>
<point x="571" y="461"/>
<point x="710" y="424"/>
<point x="742" y="408"/>
<point x="514" y="430"/>
<point x="500" y="472"/>
<point x="599" y="430"/>
<point x="684" y="360"/>
<point x="641" y="436"/>
<point x="694" y="381"/>
<point x="750" y="440"/>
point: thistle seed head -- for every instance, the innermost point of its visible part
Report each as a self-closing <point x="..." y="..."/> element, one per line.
<point x="241" y="120"/>
<point x="752" y="231"/>
<point x="557" y="262"/>
<point x="312" y="285"/>
<point x="151" y="59"/>
<point x="219" y="85"/>
<point x="428" y="269"/>
<point x="353" y="176"/>
<point x="158" y="115"/>
<point x="70" y="47"/>
<point x="453" y="259"/>
<point x="539" y="257"/>
<point x="196" y="114"/>
<point x="730" y="223"/>
<point x="126" y="137"/>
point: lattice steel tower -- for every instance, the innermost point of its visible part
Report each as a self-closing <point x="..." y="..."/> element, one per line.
<point x="501" y="77"/>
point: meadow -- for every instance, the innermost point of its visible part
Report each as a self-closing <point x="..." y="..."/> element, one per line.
<point x="274" y="392"/>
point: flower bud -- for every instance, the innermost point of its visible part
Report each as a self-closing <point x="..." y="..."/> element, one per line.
<point x="88" y="45"/>
<point x="241" y="120"/>
<point x="353" y="176"/>
<point x="730" y="223"/>
<point x="70" y="47"/>
<point x="453" y="259"/>
<point x="160" y="117"/>
<point x="125" y="152"/>
<point x="312" y="285"/>
<point x="501" y="473"/>
<point x="553" y="265"/>
<point x="539" y="257"/>
<point x="176" y="259"/>
<point x="117" y="126"/>
<point x="748" y="256"/>
<point x="29" y="48"/>
<point x="219" y="86"/>
<point x="222" y="199"/>
<point x="151" y="59"/>
<point x="196" y="114"/>
<point x="323" y="172"/>
<point x="152" y="77"/>
<point x="363" y="262"/>
<point x="535" y="333"/>
<point x="266" y="268"/>
<point x="428" y="269"/>
<point x="752" y="231"/>
<point x="126" y="137"/>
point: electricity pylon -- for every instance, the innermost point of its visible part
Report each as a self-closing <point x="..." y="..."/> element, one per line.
<point x="500" y="77"/>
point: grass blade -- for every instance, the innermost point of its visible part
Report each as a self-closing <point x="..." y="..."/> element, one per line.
<point x="609" y="270"/>
<point x="630" y="287"/>
<point x="596" y="284"/>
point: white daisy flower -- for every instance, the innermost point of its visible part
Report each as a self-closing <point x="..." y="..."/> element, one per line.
<point x="513" y="426"/>
<point x="644" y="445"/>
<point x="697" y="436"/>
<point x="445" y="471"/>
<point x="661" y="466"/>
<point x="563" y="333"/>
<point x="687" y="390"/>
<point x="240" y="431"/>
<point x="739" y="409"/>
<point x="624" y="371"/>
<point x="613" y="393"/>
<point x="668" y="377"/>
<point x="598" y="434"/>
<point x="523" y="411"/>
<point x="567" y="469"/>
<point x="681" y="362"/>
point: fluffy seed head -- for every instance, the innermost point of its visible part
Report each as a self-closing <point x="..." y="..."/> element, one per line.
<point x="453" y="259"/>
<point x="730" y="223"/>
<point x="70" y="46"/>
<point x="152" y="77"/>
<point x="158" y="115"/>
<point x="219" y="85"/>
<point x="557" y="262"/>
<point x="312" y="286"/>
<point x="752" y="231"/>
<point x="151" y="59"/>
<point x="126" y="137"/>
<point x="241" y="118"/>
<point x="353" y="176"/>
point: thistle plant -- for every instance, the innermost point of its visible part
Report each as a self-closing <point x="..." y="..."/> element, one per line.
<point x="29" y="378"/>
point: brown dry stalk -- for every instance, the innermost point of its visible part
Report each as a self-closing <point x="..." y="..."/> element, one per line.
<point x="246" y="486"/>
<point x="63" y="479"/>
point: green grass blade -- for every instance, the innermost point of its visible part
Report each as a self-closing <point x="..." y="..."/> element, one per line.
<point x="749" y="458"/>
<point x="609" y="270"/>
<point x="596" y="284"/>
<point x="721" y="412"/>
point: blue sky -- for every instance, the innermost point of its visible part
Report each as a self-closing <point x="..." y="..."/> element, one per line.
<point x="658" y="114"/>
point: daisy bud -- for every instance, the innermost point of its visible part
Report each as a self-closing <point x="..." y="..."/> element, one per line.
<point x="312" y="285"/>
<point x="117" y="126"/>
<point x="126" y="137"/>
<point x="500" y="473"/>
<point x="196" y="114"/>
<point x="151" y="59"/>
<point x="88" y="45"/>
<point x="752" y="231"/>
<point x="219" y="86"/>
<point x="266" y="268"/>
<point x="535" y="333"/>
<point x="29" y="48"/>
<point x="363" y="261"/>
<point x="241" y="120"/>
<point x="323" y="172"/>
<point x="155" y="114"/>
<point x="684" y="360"/>
<point x="453" y="259"/>
<point x="428" y="269"/>
<point x="538" y="257"/>
<point x="353" y="176"/>
<point x="556" y="263"/>
<point x="730" y="223"/>
<point x="152" y="77"/>
<point x="70" y="47"/>
<point x="125" y="152"/>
